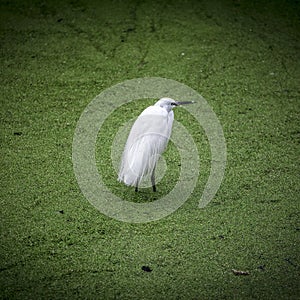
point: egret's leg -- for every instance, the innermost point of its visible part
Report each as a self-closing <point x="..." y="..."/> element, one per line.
<point x="137" y="187"/>
<point x="153" y="180"/>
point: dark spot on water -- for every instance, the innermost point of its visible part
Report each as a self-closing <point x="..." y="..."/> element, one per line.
<point x="130" y="29"/>
<point x="288" y="260"/>
<point x="146" y="269"/>
<point x="17" y="133"/>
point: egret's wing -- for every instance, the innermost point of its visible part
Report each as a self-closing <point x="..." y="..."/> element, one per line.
<point x="147" y="139"/>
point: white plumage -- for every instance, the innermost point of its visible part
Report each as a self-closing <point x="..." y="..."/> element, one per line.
<point x="147" y="140"/>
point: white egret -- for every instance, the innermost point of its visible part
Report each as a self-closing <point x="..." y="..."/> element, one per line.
<point x="147" y="140"/>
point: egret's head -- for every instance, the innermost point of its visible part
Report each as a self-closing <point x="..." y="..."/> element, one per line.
<point x="166" y="103"/>
<point x="169" y="103"/>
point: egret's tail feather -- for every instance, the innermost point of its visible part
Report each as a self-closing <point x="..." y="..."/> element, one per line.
<point x="139" y="159"/>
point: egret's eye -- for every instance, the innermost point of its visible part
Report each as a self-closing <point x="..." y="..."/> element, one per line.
<point x="174" y="103"/>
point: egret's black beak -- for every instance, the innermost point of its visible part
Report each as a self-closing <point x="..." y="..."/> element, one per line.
<point x="184" y="102"/>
